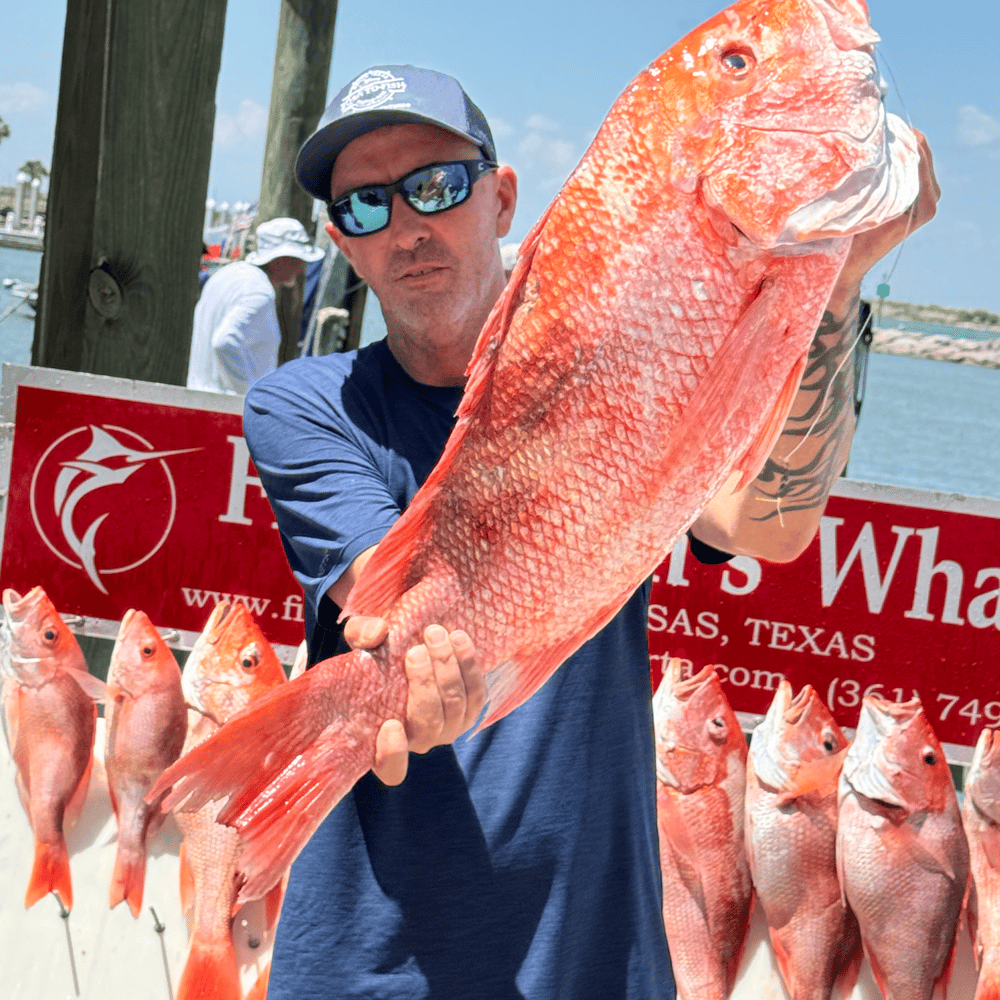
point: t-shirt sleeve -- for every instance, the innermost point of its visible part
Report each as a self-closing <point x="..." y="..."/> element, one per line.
<point x="325" y="480"/>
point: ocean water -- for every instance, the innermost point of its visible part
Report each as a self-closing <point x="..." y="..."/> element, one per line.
<point x="928" y="424"/>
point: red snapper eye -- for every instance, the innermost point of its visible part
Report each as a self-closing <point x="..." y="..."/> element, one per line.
<point x="737" y="61"/>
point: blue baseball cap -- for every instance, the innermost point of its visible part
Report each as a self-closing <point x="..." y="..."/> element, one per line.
<point x="388" y="95"/>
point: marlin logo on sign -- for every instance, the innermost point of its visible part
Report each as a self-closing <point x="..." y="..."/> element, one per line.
<point x="86" y="491"/>
<point x="372" y="90"/>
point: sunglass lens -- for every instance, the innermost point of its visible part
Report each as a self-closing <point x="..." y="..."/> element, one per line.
<point x="438" y="187"/>
<point x="364" y="211"/>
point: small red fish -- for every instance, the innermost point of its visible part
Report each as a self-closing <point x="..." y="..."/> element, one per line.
<point x="793" y="767"/>
<point x="981" y="818"/>
<point x="646" y="349"/>
<point x="230" y="666"/>
<point x="146" y="720"/>
<point x="701" y="776"/>
<point x="51" y="717"/>
<point x="902" y="856"/>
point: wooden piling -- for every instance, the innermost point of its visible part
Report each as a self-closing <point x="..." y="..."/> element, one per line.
<point x="130" y="165"/>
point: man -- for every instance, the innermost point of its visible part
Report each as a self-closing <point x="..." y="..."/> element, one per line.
<point x="521" y="862"/>
<point x="236" y="333"/>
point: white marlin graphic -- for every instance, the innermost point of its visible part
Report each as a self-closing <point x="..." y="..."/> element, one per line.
<point x="96" y="476"/>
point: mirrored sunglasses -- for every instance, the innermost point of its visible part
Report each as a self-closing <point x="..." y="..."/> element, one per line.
<point x="428" y="190"/>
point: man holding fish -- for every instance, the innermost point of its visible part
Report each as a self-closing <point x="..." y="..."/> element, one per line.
<point x="521" y="862"/>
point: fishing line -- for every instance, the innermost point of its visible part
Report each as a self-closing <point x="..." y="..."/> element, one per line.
<point x="64" y="913"/>
<point x="160" y="928"/>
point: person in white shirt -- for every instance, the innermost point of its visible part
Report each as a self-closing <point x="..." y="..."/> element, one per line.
<point x="236" y="333"/>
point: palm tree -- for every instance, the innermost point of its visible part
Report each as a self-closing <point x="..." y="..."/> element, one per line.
<point x="4" y="130"/>
<point x="34" y="168"/>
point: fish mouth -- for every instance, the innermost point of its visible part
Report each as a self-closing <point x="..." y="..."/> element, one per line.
<point x="16" y="605"/>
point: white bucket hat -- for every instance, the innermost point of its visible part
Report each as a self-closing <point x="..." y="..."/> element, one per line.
<point x="283" y="238"/>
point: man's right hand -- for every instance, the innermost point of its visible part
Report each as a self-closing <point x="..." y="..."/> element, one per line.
<point x="447" y="691"/>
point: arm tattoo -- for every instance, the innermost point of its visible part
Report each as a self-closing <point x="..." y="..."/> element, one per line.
<point x="791" y="487"/>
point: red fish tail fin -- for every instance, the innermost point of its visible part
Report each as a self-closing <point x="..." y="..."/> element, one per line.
<point x="988" y="986"/>
<point x="284" y="761"/>
<point x="128" y="878"/>
<point x="210" y="971"/>
<point x="50" y="873"/>
<point x="259" y="989"/>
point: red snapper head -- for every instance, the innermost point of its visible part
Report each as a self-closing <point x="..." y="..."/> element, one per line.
<point x="982" y="784"/>
<point x="896" y="758"/>
<point x="794" y="732"/>
<point x="231" y="664"/>
<point x="779" y="118"/>
<point x="697" y="732"/>
<point x="141" y="661"/>
<point x="38" y="640"/>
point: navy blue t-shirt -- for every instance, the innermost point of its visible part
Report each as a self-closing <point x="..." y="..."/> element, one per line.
<point x="521" y="862"/>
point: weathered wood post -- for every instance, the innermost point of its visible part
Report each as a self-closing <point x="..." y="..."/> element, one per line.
<point x="298" y="96"/>
<point x="133" y="144"/>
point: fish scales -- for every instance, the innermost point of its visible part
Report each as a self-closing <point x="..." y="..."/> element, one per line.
<point x="647" y="346"/>
<point x="50" y="718"/>
<point x="701" y="779"/>
<point x="981" y="820"/>
<point x="901" y="848"/>
<point x="791" y="831"/>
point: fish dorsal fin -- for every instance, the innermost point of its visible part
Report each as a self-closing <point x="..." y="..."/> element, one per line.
<point x="389" y="573"/>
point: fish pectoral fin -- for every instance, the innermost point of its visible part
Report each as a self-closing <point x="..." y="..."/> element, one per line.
<point x="93" y="687"/>
<point x="906" y="838"/>
<point x="989" y="840"/>
<point x="813" y="776"/>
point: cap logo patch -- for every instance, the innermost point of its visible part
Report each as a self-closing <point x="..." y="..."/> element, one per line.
<point x="371" y="90"/>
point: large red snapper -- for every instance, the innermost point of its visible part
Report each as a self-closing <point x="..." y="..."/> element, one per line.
<point x="647" y="346"/>
<point x="902" y="857"/>
<point x="145" y="722"/>
<point x="793" y="767"/>
<point x="51" y="717"/>
<point x="981" y="819"/>
<point x="701" y="778"/>
<point x="230" y="666"/>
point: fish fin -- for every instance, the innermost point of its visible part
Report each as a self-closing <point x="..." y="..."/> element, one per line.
<point x="272" y="907"/>
<point x="818" y="775"/>
<point x="676" y="835"/>
<point x="990" y="843"/>
<point x="988" y="985"/>
<point x="389" y="573"/>
<point x="128" y="878"/>
<point x="906" y="839"/>
<point x="756" y="455"/>
<point x="93" y="687"/>
<point x="259" y="989"/>
<point x="210" y="971"/>
<point x="283" y="762"/>
<point x="513" y="681"/>
<point x="75" y="805"/>
<point x="50" y="873"/>
<point x="878" y="974"/>
<point x="784" y="960"/>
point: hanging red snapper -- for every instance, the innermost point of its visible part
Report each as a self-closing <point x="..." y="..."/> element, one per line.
<point x="145" y="722"/>
<point x="981" y="819"/>
<point x="51" y="717"/>
<point x="648" y="345"/>
<point x="794" y="763"/>
<point x="902" y="857"/>
<point x="231" y="666"/>
<point x="701" y="778"/>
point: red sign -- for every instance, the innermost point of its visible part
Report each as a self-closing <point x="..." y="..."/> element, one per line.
<point x="898" y="594"/>
<point x="134" y="495"/>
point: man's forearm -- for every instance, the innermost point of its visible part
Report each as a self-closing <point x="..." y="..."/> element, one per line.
<point x="776" y="515"/>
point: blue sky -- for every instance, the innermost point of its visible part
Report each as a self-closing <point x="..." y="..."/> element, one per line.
<point x="545" y="72"/>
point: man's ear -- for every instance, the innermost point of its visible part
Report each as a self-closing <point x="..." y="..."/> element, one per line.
<point x="506" y="187"/>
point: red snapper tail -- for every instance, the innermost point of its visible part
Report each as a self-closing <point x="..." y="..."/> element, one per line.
<point x="210" y="972"/>
<point x="282" y="763"/>
<point x="50" y="873"/>
<point x="128" y="878"/>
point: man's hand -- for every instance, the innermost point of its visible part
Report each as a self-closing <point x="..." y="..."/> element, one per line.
<point x="446" y="694"/>
<point x="869" y="247"/>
